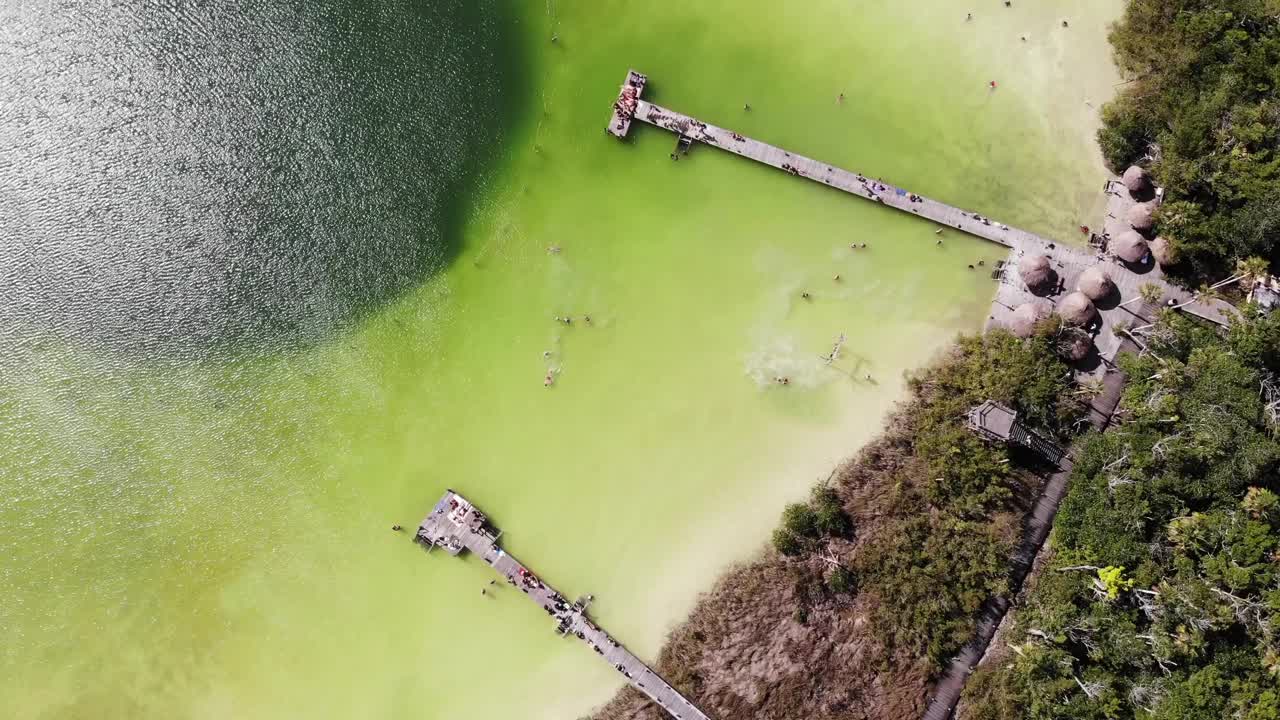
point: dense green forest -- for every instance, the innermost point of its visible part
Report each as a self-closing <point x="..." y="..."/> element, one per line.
<point x="1161" y="595"/>
<point x="950" y="523"/>
<point x="1201" y="109"/>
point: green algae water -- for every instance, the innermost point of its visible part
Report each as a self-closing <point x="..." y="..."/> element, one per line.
<point x="274" y="278"/>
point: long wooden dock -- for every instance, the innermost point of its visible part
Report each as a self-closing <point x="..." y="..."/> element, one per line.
<point x="1070" y="261"/>
<point x="455" y="525"/>
<point x="631" y="106"/>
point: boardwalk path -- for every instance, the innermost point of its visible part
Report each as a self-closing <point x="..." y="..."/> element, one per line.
<point x="1035" y="530"/>
<point x="850" y="182"/>
<point x="1070" y="261"/>
<point x="455" y="525"/>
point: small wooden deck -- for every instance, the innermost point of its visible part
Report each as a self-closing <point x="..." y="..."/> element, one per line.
<point x="455" y="525"/>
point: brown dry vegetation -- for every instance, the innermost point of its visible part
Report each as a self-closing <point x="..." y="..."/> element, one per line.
<point x="772" y="640"/>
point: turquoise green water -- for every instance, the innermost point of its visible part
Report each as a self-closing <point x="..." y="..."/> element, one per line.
<point x="210" y="539"/>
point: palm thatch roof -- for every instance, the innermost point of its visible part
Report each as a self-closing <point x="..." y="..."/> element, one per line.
<point x="1136" y="179"/>
<point x="1077" y="309"/>
<point x="1129" y="247"/>
<point x="1025" y="317"/>
<point x="1095" y="283"/>
<point x="1141" y="217"/>
<point x="1075" y="345"/>
<point x="1165" y="252"/>
<point x="1036" y="271"/>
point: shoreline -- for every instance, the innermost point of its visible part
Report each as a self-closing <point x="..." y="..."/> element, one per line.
<point x="623" y="707"/>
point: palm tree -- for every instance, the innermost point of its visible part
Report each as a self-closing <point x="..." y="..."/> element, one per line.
<point x="1203" y="295"/>
<point x="1091" y="387"/>
<point x="1149" y="294"/>
<point x="1248" y="271"/>
<point x="1251" y="270"/>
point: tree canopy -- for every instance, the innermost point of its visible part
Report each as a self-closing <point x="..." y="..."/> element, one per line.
<point x="1201" y="109"/>
<point x="1161" y="596"/>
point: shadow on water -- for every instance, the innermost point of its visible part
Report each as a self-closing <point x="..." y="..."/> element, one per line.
<point x="226" y="180"/>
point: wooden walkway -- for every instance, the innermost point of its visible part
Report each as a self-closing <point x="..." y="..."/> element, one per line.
<point x="455" y="525"/>
<point x="1070" y="261"/>
<point x="1035" y="531"/>
<point x="630" y="105"/>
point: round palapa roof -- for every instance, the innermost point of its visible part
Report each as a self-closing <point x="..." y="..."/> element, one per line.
<point x="1077" y="309"/>
<point x="1165" y="252"/>
<point x="1024" y="319"/>
<point x="1129" y="247"/>
<point x="1136" y="179"/>
<point x="1035" y="271"/>
<point x="1141" y="217"/>
<point x="1076" y="345"/>
<point x="1095" y="283"/>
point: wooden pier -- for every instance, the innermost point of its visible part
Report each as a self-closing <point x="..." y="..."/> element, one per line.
<point x="630" y="106"/>
<point x="455" y="525"/>
<point x="1070" y="261"/>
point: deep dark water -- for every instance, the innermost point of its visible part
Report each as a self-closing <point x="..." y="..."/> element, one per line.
<point x="194" y="179"/>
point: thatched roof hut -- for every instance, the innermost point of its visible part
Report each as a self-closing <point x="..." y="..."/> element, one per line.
<point x="1136" y="179"/>
<point x="1095" y="283"/>
<point x="1129" y="247"/>
<point x="1141" y="217"/>
<point x="1164" y="252"/>
<point x="1075" y="346"/>
<point x="1036" y="272"/>
<point x="1077" y="309"/>
<point x="1025" y="317"/>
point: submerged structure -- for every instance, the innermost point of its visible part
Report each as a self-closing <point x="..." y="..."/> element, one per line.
<point x="455" y="525"/>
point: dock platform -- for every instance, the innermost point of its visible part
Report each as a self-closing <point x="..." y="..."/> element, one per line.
<point x="624" y="108"/>
<point x="456" y="525"/>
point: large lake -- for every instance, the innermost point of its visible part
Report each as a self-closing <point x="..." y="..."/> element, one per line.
<point x="274" y="275"/>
